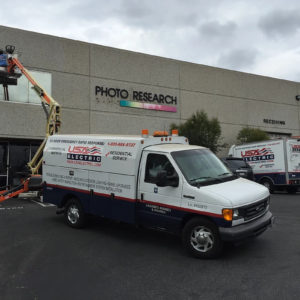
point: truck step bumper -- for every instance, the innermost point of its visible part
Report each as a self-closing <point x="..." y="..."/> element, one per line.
<point x="248" y="230"/>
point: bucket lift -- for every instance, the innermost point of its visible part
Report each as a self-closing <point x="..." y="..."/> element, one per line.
<point x="10" y="70"/>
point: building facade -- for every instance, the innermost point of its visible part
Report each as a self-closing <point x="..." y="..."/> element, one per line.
<point x="108" y="90"/>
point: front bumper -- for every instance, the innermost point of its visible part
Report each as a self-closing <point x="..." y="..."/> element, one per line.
<point x="248" y="230"/>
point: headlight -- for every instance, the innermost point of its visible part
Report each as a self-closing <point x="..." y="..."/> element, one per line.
<point x="235" y="214"/>
<point x="231" y="214"/>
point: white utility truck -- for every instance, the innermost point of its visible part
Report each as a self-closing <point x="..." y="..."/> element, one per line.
<point x="275" y="163"/>
<point x="157" y="181"/>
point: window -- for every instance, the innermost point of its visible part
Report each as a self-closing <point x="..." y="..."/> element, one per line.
<point x="201" y="167"/>
<point x="157" y="163"/>
<point x="23" y="93"/>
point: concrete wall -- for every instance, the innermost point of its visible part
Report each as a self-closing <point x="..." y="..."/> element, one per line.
<point x="236" y="99"/>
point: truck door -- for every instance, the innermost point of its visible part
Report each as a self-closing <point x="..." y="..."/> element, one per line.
<point x="158" y="206"/>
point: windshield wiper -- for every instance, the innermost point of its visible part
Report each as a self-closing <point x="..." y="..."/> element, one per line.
<point x="198" y="178"/>
<point x="205" y="177"/>
<point x="226" y="173"/>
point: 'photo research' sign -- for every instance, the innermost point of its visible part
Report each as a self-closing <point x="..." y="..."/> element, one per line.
<point x="139" y="99"/>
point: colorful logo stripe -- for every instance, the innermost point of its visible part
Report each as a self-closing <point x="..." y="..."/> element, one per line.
<point x="134" y="104"/>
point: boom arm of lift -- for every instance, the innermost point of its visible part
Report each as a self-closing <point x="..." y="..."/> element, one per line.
<point x="52" y="109"/>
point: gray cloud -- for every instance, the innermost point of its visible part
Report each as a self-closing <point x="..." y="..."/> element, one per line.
<point x="238" y="59"/>
<point x="280" y="23"/>
<point x="216" y="30"/>
<point x="226" y="34"/>
<point x="138" y="14"/>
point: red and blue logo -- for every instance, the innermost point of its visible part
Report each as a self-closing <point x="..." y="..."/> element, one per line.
<point x="258" y="154"/>
<point x="83" y="153"/>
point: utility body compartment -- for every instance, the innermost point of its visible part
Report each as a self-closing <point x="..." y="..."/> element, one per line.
<point x="159" y="182"/>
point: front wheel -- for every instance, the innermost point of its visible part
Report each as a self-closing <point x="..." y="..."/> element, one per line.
<point x="201" y="238"/>
<point x="268" y="184"/>
<point x="74" y="214"/>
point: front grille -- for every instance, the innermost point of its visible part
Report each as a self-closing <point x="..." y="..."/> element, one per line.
<point x="254" y="210"/>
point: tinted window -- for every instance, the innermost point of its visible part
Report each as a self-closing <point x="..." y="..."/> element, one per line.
<point x="155" y="164"/>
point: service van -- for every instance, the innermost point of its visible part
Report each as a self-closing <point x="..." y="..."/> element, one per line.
<point x="157" y="181"/>
<point x="275" y="163"/>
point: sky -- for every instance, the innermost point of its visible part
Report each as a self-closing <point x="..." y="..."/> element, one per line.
<point x="259" y="36"/>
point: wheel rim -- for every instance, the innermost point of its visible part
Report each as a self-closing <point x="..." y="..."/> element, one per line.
<point x="73" y="214"/>
<point x="267" y="184"/>
<point x="202" y="239"/>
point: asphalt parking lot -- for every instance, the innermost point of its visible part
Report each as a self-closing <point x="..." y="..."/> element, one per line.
<point x="42" y="258"/>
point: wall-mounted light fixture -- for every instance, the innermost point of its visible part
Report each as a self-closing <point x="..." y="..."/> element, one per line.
<point x="298" y="97"/>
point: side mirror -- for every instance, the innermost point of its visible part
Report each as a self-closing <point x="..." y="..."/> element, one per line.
<point x="163" y="180"/>
<point x="173" y="181"/>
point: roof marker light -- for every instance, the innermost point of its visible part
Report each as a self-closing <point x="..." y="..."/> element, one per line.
<point x="175" y="132"/>
<point x="145" y="132"/>
<point x="160" y="133"/>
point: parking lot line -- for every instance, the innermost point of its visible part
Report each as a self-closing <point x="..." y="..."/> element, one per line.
<point x="43" y="204"/>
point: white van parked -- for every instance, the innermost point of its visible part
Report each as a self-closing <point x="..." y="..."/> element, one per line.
<point x="157" y="181"/>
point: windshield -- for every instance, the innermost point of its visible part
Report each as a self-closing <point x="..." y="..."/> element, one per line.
<point x="201" y="167"/>
<point x="235" y="163"/>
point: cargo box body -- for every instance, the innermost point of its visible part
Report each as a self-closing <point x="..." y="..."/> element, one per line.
<point x="275" y="160"/>
<point x="101" y="169"/>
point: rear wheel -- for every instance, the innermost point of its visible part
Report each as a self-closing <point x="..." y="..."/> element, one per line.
<point x="201" y="238"/>
<point x="74" y="214"/>
<point x="268" y="184"/>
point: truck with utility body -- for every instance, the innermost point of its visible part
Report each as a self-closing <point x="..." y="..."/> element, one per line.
<point x="158" y="182"/>
<point x="275" y="163"/>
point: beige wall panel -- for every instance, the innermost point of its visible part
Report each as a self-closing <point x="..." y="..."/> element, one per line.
<point x="112" y="123"/>
<point x="258" y="111"/>
<point x="268" y="89"/>
<point x="236" y="84"/>
<point x="229" y="136"/>
<point x="47" y="52"/>
<point x="123" y="65"/>
<point x="105" y="103"/>
<point x="197" y="78"/>
<point x="227" y="110"/>
<point x="71" y="91"/>
<point x="22" y="120"/>
<point x="75" y="121"/>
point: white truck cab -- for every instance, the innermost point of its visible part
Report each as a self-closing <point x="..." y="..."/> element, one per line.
<point x="157" y="181"/>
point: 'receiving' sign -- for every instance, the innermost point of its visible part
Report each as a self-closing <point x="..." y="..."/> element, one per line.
<point x="139" y="99"/>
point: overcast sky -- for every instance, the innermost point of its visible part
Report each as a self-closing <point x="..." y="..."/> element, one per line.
<point x="258" y="36"/>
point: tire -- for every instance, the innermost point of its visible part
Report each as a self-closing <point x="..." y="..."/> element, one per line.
<point x="268" y="184"/>
<point x="74" y="214"/>
<point x="201" y="238"/>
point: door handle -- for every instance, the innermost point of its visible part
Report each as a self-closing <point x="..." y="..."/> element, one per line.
<point x="188" y="196"/>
